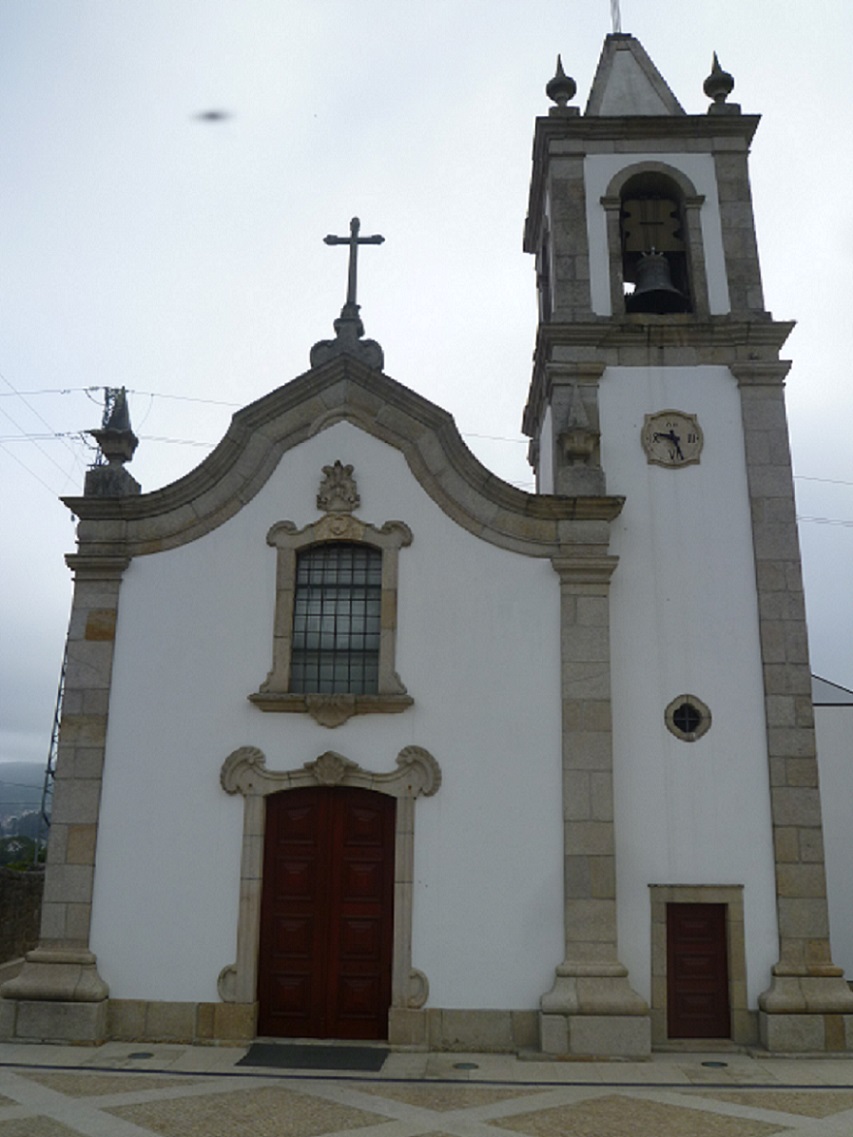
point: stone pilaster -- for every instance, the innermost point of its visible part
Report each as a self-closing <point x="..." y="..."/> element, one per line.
<point x="808" y="1005"/>
<point x="591" y="1009"/>
<point x="569" y="248"/>
<point x="743" y="271"/>
<point x="59" y="995"/>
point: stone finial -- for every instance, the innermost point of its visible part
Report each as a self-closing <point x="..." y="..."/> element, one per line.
<point x="560" y="89"/>
<point x="718" y="86"/>
<point x="117" y="444"/>
<point x="348" y="341"/>
<point x="338" y="492"/>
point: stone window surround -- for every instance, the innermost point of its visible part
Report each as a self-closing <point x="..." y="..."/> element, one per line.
<point x="244" y="771"/>
<point x="744" y="1023"/>
<point x="691" y="203"/>
<point x="702" y="710"/>
<point x="331" y="710"/>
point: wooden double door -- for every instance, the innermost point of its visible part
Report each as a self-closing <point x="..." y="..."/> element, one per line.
<point x="697" y="971"/>
<point x="326" y="937"/>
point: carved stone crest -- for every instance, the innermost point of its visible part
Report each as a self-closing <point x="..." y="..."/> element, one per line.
<point x="330" y="768"/>
<point x="338" y="492"/>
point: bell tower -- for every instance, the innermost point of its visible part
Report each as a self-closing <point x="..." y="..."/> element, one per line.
<point x="657" y="377"/>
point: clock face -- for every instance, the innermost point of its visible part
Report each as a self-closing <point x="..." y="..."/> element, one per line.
<point x="672" y="438"/>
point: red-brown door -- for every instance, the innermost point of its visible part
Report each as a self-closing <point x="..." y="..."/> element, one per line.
<point x="324" y="968"/>
<point x="697" y="971"/>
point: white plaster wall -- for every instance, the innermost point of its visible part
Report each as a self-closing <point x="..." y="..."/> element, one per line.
<point x="684" y="621"/>
<point x="834" y="729"/>
<point x="600" y="169"/>
<point x="478" y="648"/>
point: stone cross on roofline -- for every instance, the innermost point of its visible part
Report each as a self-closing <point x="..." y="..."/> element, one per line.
<point x="348" y="327"/>
<point x="353" y="240"/>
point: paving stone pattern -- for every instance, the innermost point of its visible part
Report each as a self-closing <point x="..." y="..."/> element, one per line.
<point x="199" y="1092"/>
<point x="264" y="1111"/>
<point x="620" y="1115"/>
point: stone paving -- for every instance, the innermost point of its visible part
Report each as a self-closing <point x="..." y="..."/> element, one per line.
<point x="128" y="1090"/>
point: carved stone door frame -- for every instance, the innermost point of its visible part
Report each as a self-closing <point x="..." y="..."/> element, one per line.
<point x="245" y="772"/>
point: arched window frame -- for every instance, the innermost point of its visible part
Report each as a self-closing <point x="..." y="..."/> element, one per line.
<point x="690" y="203"/>
<point x="275" y="694"/>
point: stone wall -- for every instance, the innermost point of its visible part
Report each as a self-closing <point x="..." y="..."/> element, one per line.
<point x="20" y="910"/>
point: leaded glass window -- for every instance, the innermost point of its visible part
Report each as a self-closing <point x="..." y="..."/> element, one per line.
<point x="336" y="619"/>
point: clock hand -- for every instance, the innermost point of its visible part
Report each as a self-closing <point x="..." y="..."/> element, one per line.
<point x="670" y="436"/>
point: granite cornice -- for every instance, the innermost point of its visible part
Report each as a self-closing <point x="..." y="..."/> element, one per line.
<point x="585" y="567"/>
<point x="342" y="390"/>
<point x="103" y="567"/>
<point x="677" y="330"/>
<point x="749" y="347"/>
<point x="761" y="373"/>
<point x="709" y="130"/>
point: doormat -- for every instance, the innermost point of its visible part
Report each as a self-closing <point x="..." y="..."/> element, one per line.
<point x="292" y="1056"/>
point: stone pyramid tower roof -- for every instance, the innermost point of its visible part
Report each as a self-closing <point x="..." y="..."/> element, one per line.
<point x="628" y="83"/>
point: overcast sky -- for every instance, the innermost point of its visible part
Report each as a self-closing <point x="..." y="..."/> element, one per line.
<point x="183" y="259"/>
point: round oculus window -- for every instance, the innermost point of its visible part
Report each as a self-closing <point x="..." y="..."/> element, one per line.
<point x="688" y="718"/>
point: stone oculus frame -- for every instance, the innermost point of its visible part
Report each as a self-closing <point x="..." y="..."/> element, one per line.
<point x="695" y="703"/>
<point x="333" y="709"/>
<point x="244" y="771"/>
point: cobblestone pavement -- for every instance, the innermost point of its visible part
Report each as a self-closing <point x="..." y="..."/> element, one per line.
<point x="130" y="1090"/>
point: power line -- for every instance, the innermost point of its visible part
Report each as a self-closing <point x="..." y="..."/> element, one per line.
<point x="48" y="391"/>
<point x="829" y="481"/>
<point x="50" y="489"/>
<point x="828" y="521"/>
<point x="129" y="390"/>
<point x="175" y="441"/>
<point x="237" y="406"/>
<point x="38" y="415"/>
<point x="493" y="437"/>
<point x="35" y="443"/>
<point x="29" y="436"/>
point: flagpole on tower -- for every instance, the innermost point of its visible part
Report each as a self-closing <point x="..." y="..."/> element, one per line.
<point x="616" y="17"/>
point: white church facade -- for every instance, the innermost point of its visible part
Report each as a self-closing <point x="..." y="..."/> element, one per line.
<point x="361" y="742"/>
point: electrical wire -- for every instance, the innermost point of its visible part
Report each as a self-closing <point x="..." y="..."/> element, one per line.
<point x="152" y="395"/>
<point x="828" y="481"/>
<point x="38" y="415"/>
<point x="50" y="489"/>
<point x="828" y="521"/>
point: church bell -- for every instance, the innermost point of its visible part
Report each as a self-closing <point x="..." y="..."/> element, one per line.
<point x="654" y="291"/>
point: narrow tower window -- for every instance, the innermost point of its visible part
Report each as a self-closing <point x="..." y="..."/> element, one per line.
<point x="543" y="278"/>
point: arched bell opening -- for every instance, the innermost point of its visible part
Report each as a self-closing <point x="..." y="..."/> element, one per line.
<point x="654" y="246"/>
<point x="654" y="233"/>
